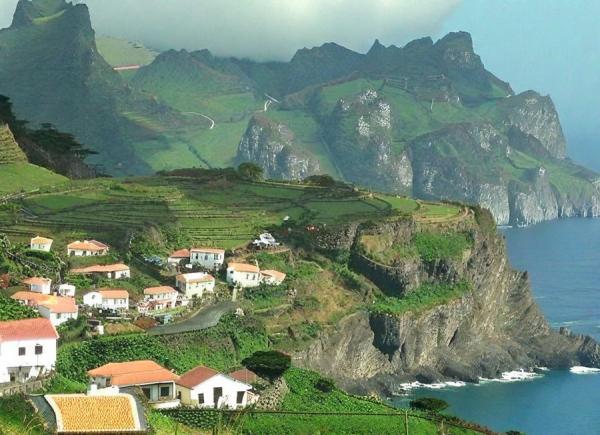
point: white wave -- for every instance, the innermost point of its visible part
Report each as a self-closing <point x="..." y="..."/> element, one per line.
<point x="515" y="376"/>
<point x="580" y="370"/>
<point x="434" y="386"/>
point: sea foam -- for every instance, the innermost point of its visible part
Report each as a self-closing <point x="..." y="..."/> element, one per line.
<point x="580" y="370"/>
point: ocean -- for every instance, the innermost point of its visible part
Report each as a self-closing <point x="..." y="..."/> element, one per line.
<point x="563" y="260"/>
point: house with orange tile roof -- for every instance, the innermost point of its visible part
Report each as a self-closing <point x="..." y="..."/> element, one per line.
<point x="159" y="298"/>
<point x="195" y="284"/>
<point x="57" y="309"/>
<point x="115" y="413"/>
<point x="27" y="349"/>
<point x="111" y="271"/>
<point x="244" y="275"/>
<point x="40" y="244"/>
<point x="207" y="258"/>
<point x="87" y="248"/>
<point x="156" y="382"/>
<point x="204" y="387"/>
<point x="178" y="257"/>
<point x="39" y="285"/>
<point x="108" y="299"/>
<point x="272" y="277"/>
<point x="244" y="375"/>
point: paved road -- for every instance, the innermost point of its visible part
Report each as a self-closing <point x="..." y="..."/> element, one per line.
<point x="212" y="121"/>
<point x="205" y="318"/>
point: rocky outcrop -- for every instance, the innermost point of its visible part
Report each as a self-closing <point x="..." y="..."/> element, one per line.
<point x="270" y="145"/>
<point x="494" y="327"/>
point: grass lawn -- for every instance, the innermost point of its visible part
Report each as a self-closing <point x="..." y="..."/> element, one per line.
<point x="17" y="177"/>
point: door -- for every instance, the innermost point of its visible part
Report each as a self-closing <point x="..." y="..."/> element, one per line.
<point x="217" y="394"/>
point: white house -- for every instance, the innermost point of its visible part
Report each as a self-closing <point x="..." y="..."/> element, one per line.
<point x="156" y="382"/>
<point x="272" y="277"/>
<point x="108" y="299"/>
<point x="58" y="309"/>
<point x="112" y="271"/>
<point x="66" y="290"/>
<point x="27" y="349"/>
<point x="195" y="284"/>
<point x="39" y="285"/>
<point x="87" y="248"/>
<point x="265" y="240"/>
<point x="40" y="244"/>
<point x="177" y="257"/>
<point x="243" y="274"/>
<point x="208" y="258"/>
<point x="204" y="387"/>
<point x="160" y="298"/>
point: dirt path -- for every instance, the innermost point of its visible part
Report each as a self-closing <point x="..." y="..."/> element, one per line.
<point x="212" y="121"/>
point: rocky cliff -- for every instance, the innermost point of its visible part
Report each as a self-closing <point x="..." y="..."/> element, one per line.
<point x="493" y="327"/>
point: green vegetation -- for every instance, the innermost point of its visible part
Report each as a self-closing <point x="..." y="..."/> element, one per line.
<point x="17" y="417"/>
<point x="421" y="299"/>
<point x="14" y="310"/>
<point x="445" y="246"/>
<point x="429" y="404"/>
<point x="268" y="363"/>
<point x="122" y="52"/>
<point x="25" y="177"/>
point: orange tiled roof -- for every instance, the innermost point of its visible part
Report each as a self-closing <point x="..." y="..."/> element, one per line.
<point x="134" y="373"/>
<point x="209" y="250"/>
<point x="35" y="297"/>
<point x="195" y="277"/>
<point x="41" y="241"/>
<point x="59" y="304"/>
<point x="279" y="276"/>
<point x="100" y="268"/>
<point x="243" y="267"/>
<point x="87" y="245"/>
<point x="181" y="253"/>
<point x="196" y="376"/>
<point x="102" y="414"/>
<point x="244" y="375"/>
<point x="37" y="281"/>
<point x="113" y="293"/>
<point x="27" y="329"/>
<point x="159" y="290"/>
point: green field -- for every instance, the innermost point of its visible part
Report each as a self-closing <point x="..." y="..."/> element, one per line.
<point x="118" y="51"/>
<point x="24" y="177"/>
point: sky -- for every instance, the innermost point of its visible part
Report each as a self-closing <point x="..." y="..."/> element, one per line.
<point x="547" y="45"/>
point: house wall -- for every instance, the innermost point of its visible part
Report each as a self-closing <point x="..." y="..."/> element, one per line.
<point x="196" y="288"/>
<point x="167" y="299"/>
<point x="43" y="289"/>
<point x="207" y="260"/>
<point x="83" y="253"/>
<point x="153" y="390"/>
<point x="230" y="387"/>
<point x="31" y="364"/>
<point x="56" y="318"/>
<point x="93" y="299"/>
<point x="40" y="247"/>
<point x="245" y="279"/>
<point x="115" y="303"/>
<point x="119" y="274"/>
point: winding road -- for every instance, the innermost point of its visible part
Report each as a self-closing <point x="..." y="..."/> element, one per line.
<point x="212" y="121"/>
<point x="205" y="318"/>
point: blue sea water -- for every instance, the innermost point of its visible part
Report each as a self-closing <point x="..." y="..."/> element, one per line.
<point x="563" y="260"/>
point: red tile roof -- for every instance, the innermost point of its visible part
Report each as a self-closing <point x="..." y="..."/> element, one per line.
<point x="244" y="375"/>
<point x="27" y="329"/>
<point x="41" y="241"/>
<point x="181" y="253"/>
<point x="34" y="297"/>
<point x="278" y="276"/>
<point x="165" y="289"/>
<point x="243" y="267"/>
<point x="87" y="245"/>
<point x="37" y="281"/>
<point x="113" y="293"/>
<point x="59" y="304"/>
<point x="134" y="373"/>
<point x="196" y="376"/>
<point x="209" y="250"/>
<point x="195" y="277"/>
<point x="100" y="268"/>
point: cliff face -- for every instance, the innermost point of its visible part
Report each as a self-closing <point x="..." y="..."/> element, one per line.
<point x="494" y="327"/>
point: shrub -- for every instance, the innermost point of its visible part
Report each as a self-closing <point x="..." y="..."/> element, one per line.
<point x="250" y="171"/>
<point x="429" y="404"/>
<point x="270" y="363"/>
<point x="326" y="385"/>
<point x="320" y="180"/>
<point x="14" y="310"/>
<point x="448" y="246"/>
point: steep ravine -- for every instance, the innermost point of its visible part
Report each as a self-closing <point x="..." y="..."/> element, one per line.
<point x="494" y="327"/>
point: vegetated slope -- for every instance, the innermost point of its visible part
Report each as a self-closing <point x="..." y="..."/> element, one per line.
<point x="10" y="152"/>
<point x="51" y="69"/>
<point x="121" y="52"/>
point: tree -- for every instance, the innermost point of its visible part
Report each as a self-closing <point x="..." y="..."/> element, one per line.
<point x="269" y="364"/>
<point x="429" y="404"/>
<point x="320" y="180"/>
<point x="250" y="171"/>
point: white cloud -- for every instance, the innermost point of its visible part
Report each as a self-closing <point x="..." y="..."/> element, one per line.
<point x="263" y="29"/>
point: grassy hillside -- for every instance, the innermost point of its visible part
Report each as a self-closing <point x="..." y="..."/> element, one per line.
<point x="10" y="152"/>
<point x="17" y="177"/>
<point x="118" y="52"/>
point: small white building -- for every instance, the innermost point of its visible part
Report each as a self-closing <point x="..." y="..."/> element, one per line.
<point x="40" y="244"/>
<point x="58" y="309"/>
<point x="160" y="298"/>
<point x="265" y="240"/>
<point x="178" y="257"/>
<point x="195" y="284"/>
<point x="272" y="277"/>
<point x="243" y="274"/>
<point x="204" y="387"/>
<point x="66" y="290"/>
<point x="27" y="349"/>
<point x="86" y="248"/>
<point x="111" y="271"/>
<point x="108" y="299"/>
<point x="39" y="285"/>
<point x="207" y="258"/>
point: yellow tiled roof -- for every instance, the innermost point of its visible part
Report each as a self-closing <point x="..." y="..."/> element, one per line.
<point x="105" y="414"/>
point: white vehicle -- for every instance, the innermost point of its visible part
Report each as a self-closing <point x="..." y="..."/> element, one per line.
<point x="265" y="240"/>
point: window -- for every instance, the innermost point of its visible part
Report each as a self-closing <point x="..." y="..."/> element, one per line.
<point x="216" y="256"/>
<point x="21" y="351"/>
<point x="201" y="399"/>
<point x="39" y="349"/>
<point x="206" y="257"/>
<point x="165" y="391"/>
<point x="240" y="397"/>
